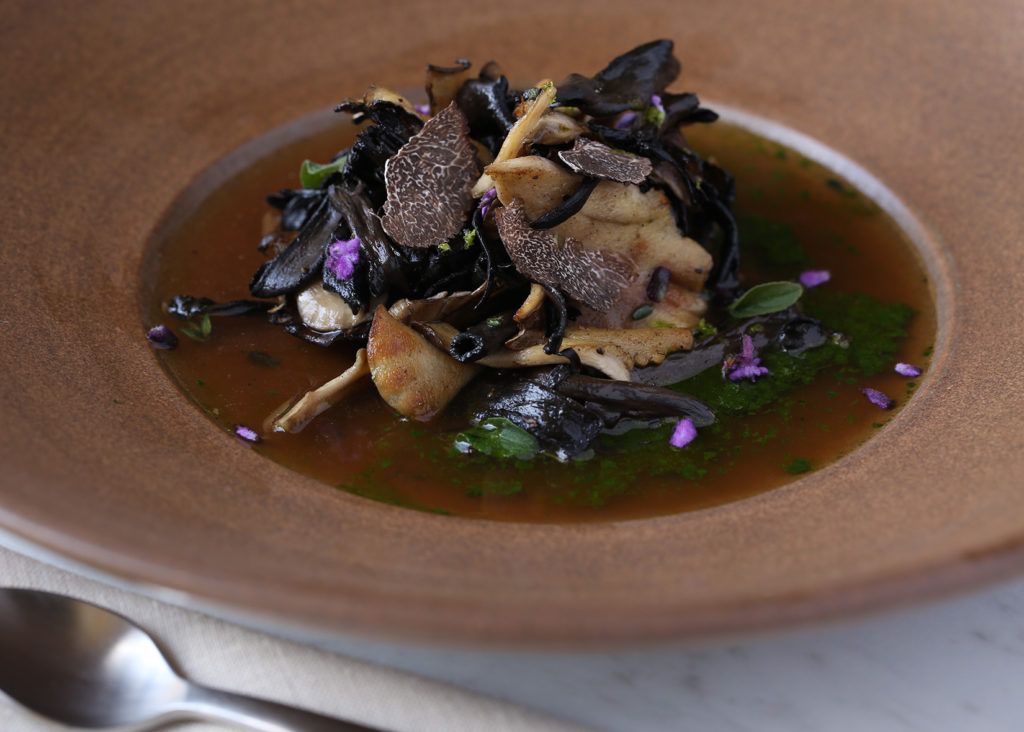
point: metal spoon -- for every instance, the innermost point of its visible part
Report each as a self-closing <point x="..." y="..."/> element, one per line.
<point x="84" y="666"/>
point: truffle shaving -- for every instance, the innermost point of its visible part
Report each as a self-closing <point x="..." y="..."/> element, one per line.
<point x="595" y="159"/>
<point x="595" y="278"/>
<point x="428" y="182"/>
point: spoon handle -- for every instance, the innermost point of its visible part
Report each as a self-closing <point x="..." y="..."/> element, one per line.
<point x="259" y="714"/>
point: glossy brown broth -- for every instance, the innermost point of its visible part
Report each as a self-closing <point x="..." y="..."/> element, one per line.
<point x="362" y="446"/>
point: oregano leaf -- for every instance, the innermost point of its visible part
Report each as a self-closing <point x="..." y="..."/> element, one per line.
<point x="768" y="297"/>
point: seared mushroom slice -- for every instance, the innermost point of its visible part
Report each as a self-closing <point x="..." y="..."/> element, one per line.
<point x="557" y="128"/>
<point x="522" y="133"/>
<point x="429" y="181"/>
<point x="415" y="378"/>
<point x="457" y="307"/>
<point x="593" y="277"/>
<point x="616" y="218"/>
<point x="614" y="353"/>
<point x="318" y="400"/>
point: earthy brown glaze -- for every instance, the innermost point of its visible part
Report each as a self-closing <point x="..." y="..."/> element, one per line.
<point x="111" y="110"/>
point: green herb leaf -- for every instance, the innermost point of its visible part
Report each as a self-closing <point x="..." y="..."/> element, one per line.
<point x="313" y="174"/>
<point x="198" y="331"/>
<point x="655" y="116"/>
<point x="768" y="297"/>
<point x="498" y="437"/>
<point x="703" y="330"/>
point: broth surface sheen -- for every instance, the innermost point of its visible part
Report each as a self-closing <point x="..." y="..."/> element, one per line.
<point x="793" y="214"/>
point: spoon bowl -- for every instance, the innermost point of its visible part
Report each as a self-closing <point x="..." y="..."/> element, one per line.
<point x="84" y="666"/>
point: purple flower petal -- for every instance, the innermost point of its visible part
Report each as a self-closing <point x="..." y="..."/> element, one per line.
<point x="486" y="201"/>
<point x="878" y="398"/>
<point x="906" y="369"/>
<point x="746" y="365"/>
<point x="684" y="433"/>
<point x="162" y="337"/>
<point x="625" y="120"/>
<point x="247" y="433"/>
<point x="747" y="351"/>
<point x="656" y="103"/>
<point x="815" y="277"/>
<point x="342" y="257"/>
<point x="423" y="109"/>
<point x="749" y="371"/>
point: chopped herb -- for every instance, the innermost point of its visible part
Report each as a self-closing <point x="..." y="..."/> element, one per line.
<point x="642" y="312"/>
<point x="313" y="175"/>
<point x="798" y="466"/>
<point x="498" y="437"/>
<point x="703" y="330"/>
<point x="198" y="331"/>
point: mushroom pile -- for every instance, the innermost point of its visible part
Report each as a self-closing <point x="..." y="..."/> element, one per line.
<point x="519" y="253"/>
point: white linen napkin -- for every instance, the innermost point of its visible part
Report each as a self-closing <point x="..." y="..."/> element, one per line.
<point x="229" y="657"/>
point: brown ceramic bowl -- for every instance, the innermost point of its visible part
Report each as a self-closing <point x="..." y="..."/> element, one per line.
<point x="110" y="110"/>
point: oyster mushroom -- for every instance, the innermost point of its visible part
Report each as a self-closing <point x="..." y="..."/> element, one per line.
<point x="616" y="218"/>
<point x="614" y="353"/>
<point x="590" y="276"/>
<point x="522" y="133"/>
<point x="415" y="378"/>
<point x="317" y="401"/>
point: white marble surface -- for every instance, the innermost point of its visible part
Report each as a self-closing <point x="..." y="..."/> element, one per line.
<point x="951" y="666"/>
<point x="955" y="666"/>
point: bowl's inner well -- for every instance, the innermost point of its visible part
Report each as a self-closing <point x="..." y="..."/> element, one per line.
<point x="794" y="215"/>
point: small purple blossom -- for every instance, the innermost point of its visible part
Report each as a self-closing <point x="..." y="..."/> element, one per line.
<point x="625" y="120"/>
<point x="162" y="337"/>
<point x="815" y="277"/>
<point x="342" y="257"/>
<point x="247" y="433"/>
<point x="878" y="398"/>
<point x="684" y="433"/>
<point x="486" y="201"/>
<point x="746" y="365"/>
<point x="423" y="109"/>
<point x="656" y="103"/>
<point x="908" y="370"/>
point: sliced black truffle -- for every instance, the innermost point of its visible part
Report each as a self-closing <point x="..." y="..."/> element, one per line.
<point x="429" y="182"/>
<point x="595" y="159"/>
<point x="594" y="278"/>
